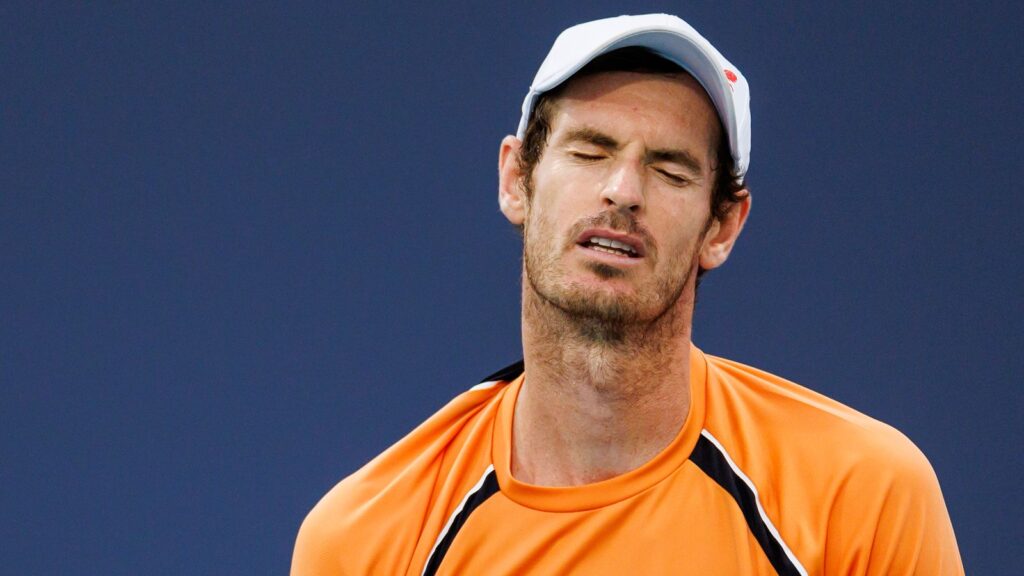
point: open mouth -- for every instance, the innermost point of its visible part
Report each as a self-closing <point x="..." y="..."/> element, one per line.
<point x="610" y="246"/>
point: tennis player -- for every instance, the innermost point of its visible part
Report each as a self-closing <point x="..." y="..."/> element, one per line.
<point x="617" y="446"/>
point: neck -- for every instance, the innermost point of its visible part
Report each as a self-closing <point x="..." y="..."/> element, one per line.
<point x="599" y="400"/>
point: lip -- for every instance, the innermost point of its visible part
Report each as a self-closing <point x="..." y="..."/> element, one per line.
<point x="632" y="241"/>
<point x="608" y="258"/>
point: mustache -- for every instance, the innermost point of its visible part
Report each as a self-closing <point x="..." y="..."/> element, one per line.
<point x="618" y="221"/>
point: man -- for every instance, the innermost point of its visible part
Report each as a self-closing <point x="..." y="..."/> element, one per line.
<point x="622" y="448"/>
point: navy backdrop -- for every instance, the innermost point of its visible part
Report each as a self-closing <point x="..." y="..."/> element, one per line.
<point x="245" y="247"/>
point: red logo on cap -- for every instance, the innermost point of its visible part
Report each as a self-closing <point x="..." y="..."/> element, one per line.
<point x="730" y="75"/>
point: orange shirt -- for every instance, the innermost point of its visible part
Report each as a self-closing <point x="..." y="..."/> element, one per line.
<point x="765" y="477"/>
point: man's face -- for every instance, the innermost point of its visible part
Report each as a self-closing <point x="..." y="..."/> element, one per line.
<point x="619" y="208"/>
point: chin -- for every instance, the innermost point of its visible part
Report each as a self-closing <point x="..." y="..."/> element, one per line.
<point x="598" y="292"/>
<point x="603" y="303"/>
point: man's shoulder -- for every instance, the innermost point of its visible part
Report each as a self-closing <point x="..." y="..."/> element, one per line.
<point x="391" y="497"/>
<point x="765" y="413"/>
<point x="865" y="487"/>
<point x="424" y="448"/>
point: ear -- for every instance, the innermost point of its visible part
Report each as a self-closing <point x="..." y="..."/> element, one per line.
<point x="511" y="196"/>
<point x="723" y="233"/>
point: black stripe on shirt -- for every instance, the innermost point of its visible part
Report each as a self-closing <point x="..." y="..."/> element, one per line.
<point x="710" y="459"/>
<point x="488" y="488"/>
<point x="506" y="374"/>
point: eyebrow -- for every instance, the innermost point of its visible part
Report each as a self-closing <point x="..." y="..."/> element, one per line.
<point x="591" y="136"/>
<point x="597" y="138"/>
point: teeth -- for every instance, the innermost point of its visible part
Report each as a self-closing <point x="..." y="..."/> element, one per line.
<point x="615" y="244"/>
<point x="608" y="250"/>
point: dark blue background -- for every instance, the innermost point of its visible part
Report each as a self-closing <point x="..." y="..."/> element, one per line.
<point x="246" y="247"/>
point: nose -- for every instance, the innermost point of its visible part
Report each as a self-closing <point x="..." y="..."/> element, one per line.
<point x="624" y="190"/>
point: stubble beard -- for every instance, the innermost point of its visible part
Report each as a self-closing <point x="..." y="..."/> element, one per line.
<point x="598" y="316"/>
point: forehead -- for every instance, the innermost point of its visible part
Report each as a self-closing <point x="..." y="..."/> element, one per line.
<point x="662" y="110"/>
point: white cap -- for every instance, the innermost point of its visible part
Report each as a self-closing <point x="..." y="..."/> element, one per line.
<point x="668" y="37"/>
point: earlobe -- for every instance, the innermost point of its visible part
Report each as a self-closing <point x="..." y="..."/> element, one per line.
<point x="723" y="234"/>
<point x="511" y="196"/>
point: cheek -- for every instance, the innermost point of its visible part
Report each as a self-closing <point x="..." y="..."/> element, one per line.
<point x="550" y="214"/>
<point x="682" y="235"/>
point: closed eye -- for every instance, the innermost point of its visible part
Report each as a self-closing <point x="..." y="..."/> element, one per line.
<point x="674" y="179"/>
<point x="585" y="156"/>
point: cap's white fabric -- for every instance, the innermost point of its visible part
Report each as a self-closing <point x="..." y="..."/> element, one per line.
<point x="669" y="37"/>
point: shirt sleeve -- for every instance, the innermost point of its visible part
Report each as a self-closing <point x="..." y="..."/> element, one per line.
<point x="889" y="518"/>
<point x="383" y="518"/>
